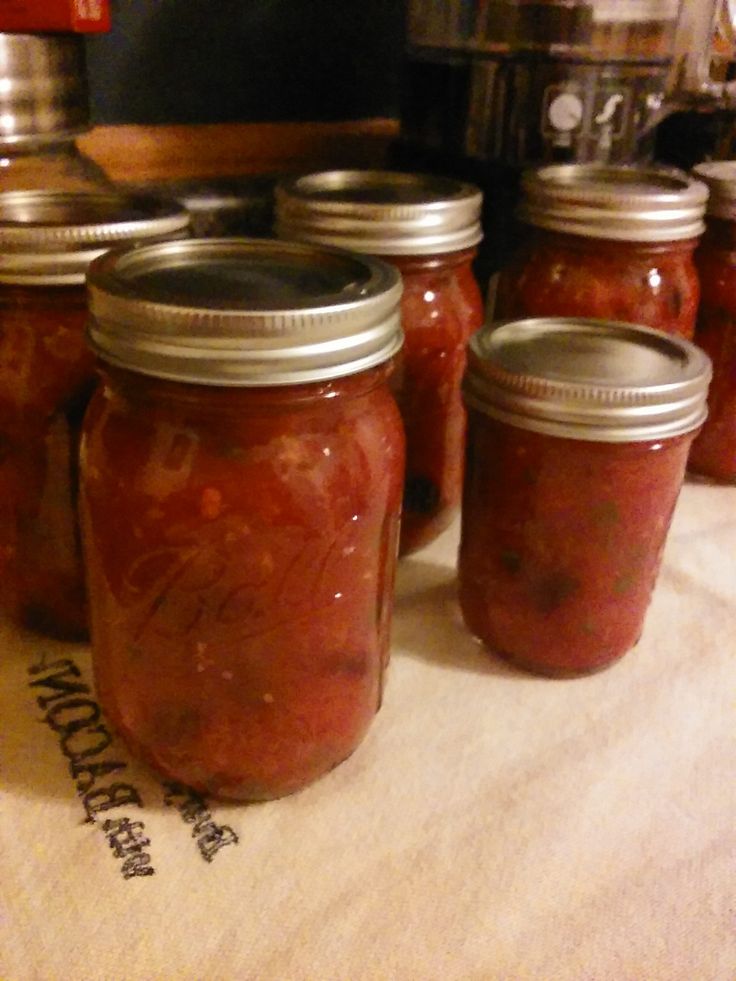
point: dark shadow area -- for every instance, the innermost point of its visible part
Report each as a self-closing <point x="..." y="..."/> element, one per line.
<point x="191" y="61"/>
<point x="428" y="624"/>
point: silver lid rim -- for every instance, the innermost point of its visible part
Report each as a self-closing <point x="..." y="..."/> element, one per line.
<point x="720" y="178"/>
<point x="440" y="215"/>
<point x="158" y="216"/>
<point x="607" y="202"/>
<point x="615" y="410"/>
<point x="156" y="334"/>
<point x="56" y="251"/>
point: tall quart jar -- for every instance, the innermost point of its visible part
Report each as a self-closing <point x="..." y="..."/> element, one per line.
<point x="609" y="242"/>
<point x="713" y="453"/>
<point x="242" y="467"/>
<point x="47" y="241"/>
<point x="428" y="228"/>
<point x="578" y="436"/>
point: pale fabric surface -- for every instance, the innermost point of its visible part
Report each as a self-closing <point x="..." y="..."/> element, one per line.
<point x="493" y="825"/>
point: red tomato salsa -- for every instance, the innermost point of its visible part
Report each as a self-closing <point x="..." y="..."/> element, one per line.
<point x="240" y="547"/>
<point x="427" y="226"/>
<point x="563" y="543"/>
<point x="578" y="435"/>
<point x="654" y="284"/>
<point x="47" y="241"/>
<point x="46" y="376"/>
<point x="713" y="453"/>
<point x="440" y="308"/>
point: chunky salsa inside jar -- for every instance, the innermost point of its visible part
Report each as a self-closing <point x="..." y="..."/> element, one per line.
<point x="46" y="377"/>
<point x="241" y="547"/>
<point x="654" y="284"/>
<point x="440" y="308"/>
<point x="714" y="451"/>
<point x="562" y="541"/>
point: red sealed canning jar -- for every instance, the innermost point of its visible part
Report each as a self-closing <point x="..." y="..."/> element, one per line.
<point x="47" y="241"/>
<point x="242" y="466"/>
<point x="427" y="227"/>
<point x="608" y="242"/>
<point x="713" y="453"/>
<point x="578" y="434"/>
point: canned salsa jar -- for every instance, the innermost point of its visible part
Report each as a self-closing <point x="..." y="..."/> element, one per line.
<point x="242" y="467"/>
<point x="47" y="241"/>
<point x="607" y="242"/>
<point x="713" y="453"/>
<point x="427" y="227"/>
<point x="578" y="435"/>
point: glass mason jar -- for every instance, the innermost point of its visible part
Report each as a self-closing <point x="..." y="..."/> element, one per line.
<point x="578" y="435"/>
<point x="47" y="241"/>
<point x="242" y="466"/>
<point x="607" y="242"/>
<point x="713" y="453"/>
<point x="427" y="227"/>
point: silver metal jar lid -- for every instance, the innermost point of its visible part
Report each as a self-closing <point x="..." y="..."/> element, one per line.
<point x="594" y="380"/>
<point x="50" y="237"/>
<point x="43" y="88"/>
<point x="246" y="312"/>
<point x="720" y="178"/>
<point x="623" y="203"/>
<point x="380" y="212"/>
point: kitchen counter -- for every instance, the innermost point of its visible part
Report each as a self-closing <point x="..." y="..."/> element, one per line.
<point x="493" y="825"/>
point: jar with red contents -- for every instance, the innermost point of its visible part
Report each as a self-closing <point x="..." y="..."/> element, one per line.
<point x="242" y="469"/>
<point x="609" y="242"/>
<point x="578" y="435"/>
<point x="428" y="228"/>
<point x="713" y="453"/>
<point x="47" y="241"/>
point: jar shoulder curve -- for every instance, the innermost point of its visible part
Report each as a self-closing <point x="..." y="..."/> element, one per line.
<point x="440" y="296"/>
<point x="554" y="275"/>
<point x="243" y="446"/>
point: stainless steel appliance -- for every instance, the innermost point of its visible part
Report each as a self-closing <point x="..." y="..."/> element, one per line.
<point x="527" y="81"/>
<point x="494" y="86"/>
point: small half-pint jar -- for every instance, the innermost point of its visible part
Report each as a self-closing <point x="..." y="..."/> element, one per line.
<point x="241" y="475"/>
<point x="47" y="241"/>
<point x="578" y="436"/>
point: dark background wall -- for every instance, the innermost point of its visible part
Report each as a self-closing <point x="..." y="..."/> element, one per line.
<point x="199" y="61"/>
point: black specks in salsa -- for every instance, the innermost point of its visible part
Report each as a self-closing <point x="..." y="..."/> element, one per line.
<point x="550" y="591"/>
<point x="510" y="560"/>
<point x="675" y="300"/>
<point x="421" y="495"/>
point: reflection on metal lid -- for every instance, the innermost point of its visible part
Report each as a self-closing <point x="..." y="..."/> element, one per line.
<point x="720" y="178"/>
<point x="380" y="212"/>
<point x="50" y="237"/>
<point x="243" y="311"/>
<point x="587" y="379"/>
<point x="624" y="203"/>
